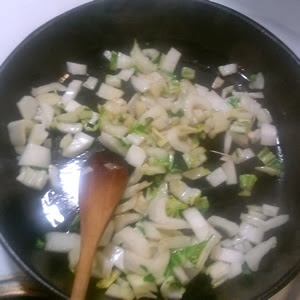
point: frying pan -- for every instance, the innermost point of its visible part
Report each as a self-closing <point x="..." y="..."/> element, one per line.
<point x="208" y="35"/>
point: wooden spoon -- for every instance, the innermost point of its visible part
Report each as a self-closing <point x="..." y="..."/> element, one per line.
<point x="101" y="187"/>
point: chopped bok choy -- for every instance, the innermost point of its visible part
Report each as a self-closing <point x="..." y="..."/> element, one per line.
<point x="148" y="109"/>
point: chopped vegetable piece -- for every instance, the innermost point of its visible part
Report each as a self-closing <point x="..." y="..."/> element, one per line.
<point x="76" y="69"/>
<point x="80" y="143"/>
<point x="40" y="244"/>
<point x="149" y="277"/>
<point x="270" y="160"/>
<point x="182" y="256"/>
<point x="270" y="210"/>
<point x="174" y="207"/>
<point x="233" y="101"/>
<point x="141" y="128"/>
<point x="35" y="156"/>
<point x="217" y="83"/>
<point x="247" y="182"/>
<point x="228" y="69"/>
<point x="135" y="156"/>
<point x="90" y="83"/>
<point x="268" y="135"/>
<point x="108" y="92"/>
<point x="241" y="126"/>
<point x="113" y="62"/>
<point x="254" y="256"/>
<point x="27" y="107"/>
<point x="173" y="86"/>
<point x="257" y="81"/>
<point x="216" y="177"/>
<point x="170" y="61"/>
<point x="195" y="157"/>
<point x="179" y="113"/>
<point x="202" y="204"/>
<point x="188" y="73"/>
<point x="107" y="282"/>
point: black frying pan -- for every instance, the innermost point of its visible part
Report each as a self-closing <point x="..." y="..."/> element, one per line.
<point x="209" y="35"/>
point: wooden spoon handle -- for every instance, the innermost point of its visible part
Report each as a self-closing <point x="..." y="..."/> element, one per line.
<point x="83" y="271"/>
<point x="101" y="188"/>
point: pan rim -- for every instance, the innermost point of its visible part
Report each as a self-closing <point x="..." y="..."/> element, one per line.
<point x="289" y="275"/>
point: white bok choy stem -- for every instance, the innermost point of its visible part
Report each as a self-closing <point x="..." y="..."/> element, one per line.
<point x="46" y="114"/>
<point x="251" y="233"/>
<point x="120" y="292"/>
<point x="142" y="288"/>
<point x="90" y="83"/>
<point x="80" y="143"/>
<point x="218" y="271"/>
<point x="216" y="177"/>
<point x="18" y="132"/>
<point x="235" y="269"/>
<point x="126" y="219"/>
<point x="183" y="192"/>
<point x="132" y="190"/>
<point x="156" y="265"/>
<point x="257" y="222"/>
<point x="76" y="69"/>
<point x="230" y="172"/>
<point x="227" y="142"/>
<point x="276" y="222"/>
<point x="51" y="87"/>
<point x="268" y="135"/>
<point x="170" y="61"/>
<point x="38" y="134"/>
<point x="217" y="83"/>
<point x="270" y="210"/>
<point x="126" y="205"/>
<point x="107" y="234"/>
<point x="258" y="81"/>
<point x="141" y="61"/>
<point x="228" y="69"/>
<point x="226" y="255"/>
<point x="135" y="156"/>
<point x="125" y="75"/>
<point x="72" y="91"/>
<point x="133" y="240"/>
<point x="32" y="178"/>
<point x="35" y="156"/>
<point x="174" y="242"/>
<point x="151" y="232"/>
<point x="181" y="275"/>
<point x="254" y="256"/>
<point x="112" y="143"/>
<point x="27" y="107"/>
<point x="229" y="227"/>
<point x="169" y="292"/>
<point x="157" y="211"/>
<point x="61" y="242"/>
<point x="71" y="128"/>
<point x="199" y="225"/>
<point x="72" y="105"/>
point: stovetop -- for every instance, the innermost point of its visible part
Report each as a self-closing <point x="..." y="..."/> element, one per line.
<point x="18" y="18"/>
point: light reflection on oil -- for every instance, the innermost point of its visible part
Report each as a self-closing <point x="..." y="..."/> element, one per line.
<point x="52" y="212"/>
<point x="69" y="179"/>
<point x="57" y="203"/>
